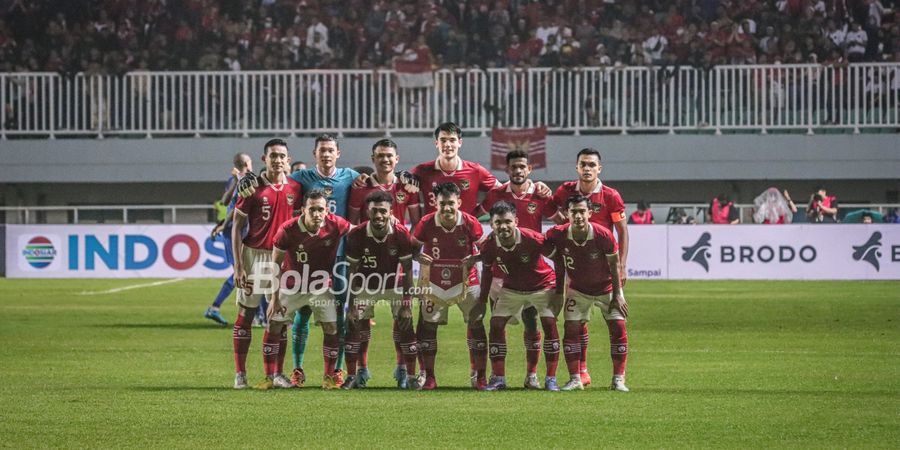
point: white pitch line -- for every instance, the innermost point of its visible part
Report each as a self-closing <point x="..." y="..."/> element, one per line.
<point x="134" y="286"/>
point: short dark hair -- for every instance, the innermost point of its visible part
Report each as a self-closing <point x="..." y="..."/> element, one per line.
<point x="297" y="164"/>
<point x="379" y="196"/>
<point x="446" y="190"/>
<point x="326" y="137"/>
<point x="588" y="151"/>
<point x="516" y="154"/>
<point x="314" y="194"/>
<point x="448" y="127"/>
<point x="501" y="208"/>
<point x="272" y="143"/>
<point x="238" y="161"/>
<point x="385" y="143"/>
<point x="642" y="205"/>
<point x="576" y="199"/>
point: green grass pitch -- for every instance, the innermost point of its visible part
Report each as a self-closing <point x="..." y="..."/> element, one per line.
<point x="712" y="364"/>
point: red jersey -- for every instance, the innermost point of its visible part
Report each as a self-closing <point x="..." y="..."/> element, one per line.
<point x="586" y="265"/>
<point x="469" y="177"/>
<point x="607" y="206"/>
<point x="314" y="251"/>
<point x="381" y="256"/>
<point x="267" y="209"/>
<point x="524" y="260"/>
<point x="453" y="244"/>
<point x="530" y="207"/>
<point x="402" y="200"/>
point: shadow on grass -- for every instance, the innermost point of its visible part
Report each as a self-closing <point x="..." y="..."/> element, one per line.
<point x="164" y="326"/>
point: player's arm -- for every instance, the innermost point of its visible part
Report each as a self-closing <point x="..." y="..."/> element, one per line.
<point x="239" y="220"/>
<point x="415" y="212"/>
<point x="618" y="297"/>
<point x="405" y="313"/>
<point x="275" y="305"/>
<point x="232" y="186"/>
<point x="622" y="231"/>
<point x="353" y="288"/>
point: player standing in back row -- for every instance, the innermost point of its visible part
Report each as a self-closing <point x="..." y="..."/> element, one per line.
<point x="607" y="210"/>
<point x="271" y="205"/>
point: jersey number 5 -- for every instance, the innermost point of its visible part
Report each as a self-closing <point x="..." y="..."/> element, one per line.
<point x="266" y="212"/>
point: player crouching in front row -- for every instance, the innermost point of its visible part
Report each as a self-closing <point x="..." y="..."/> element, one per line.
<point x="589" y="254"/>
<point x="305" y="250"/>
<point x="529" y="281"/>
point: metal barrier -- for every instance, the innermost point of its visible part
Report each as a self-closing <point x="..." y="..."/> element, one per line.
<point x="746" y="98"/>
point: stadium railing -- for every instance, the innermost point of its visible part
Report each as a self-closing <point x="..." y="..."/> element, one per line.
<point x="199" y="214"/>
<point x="741" y="98"/>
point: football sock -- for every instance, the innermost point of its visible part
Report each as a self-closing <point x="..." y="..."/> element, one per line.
<point x="299" y="335"/>
<point x="585" y="337"/>
<point x="497" y="348"/>
<point x="428" y="346"/>
<point x="618" y="346"/>
<point x="241" y="338"/>
<point x="270" y="352"/>
<point x="477" y="339"/>
<point x="365" y="335"/>
<point x="572" y="347"/>
<point x="532" y="340"/>
<point x="224" y="291"/>
<point x="398" y="350"/>
<point x="342" y="332"/>
<point x="410" y="350"/>
<point x="330" y="343"/>
<point x="419" y="326"/>
<point x="551" y="344"/>
<point x="351" y="347"/>
<point x="282" y="350"/>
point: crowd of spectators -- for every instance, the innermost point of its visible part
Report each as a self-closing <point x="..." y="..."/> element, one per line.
<point x="117" y="36"/>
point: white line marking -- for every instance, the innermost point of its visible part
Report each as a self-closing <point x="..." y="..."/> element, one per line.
<point x="128" y="288"/>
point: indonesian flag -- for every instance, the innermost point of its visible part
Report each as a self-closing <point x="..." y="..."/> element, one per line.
<point x="532" y="140"/>
<point x="414" y="70"/>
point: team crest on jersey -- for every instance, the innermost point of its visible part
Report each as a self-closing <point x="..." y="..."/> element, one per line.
<point x="328" y="191"/>
<point x="445" y="274"/>
<point x="595" y="207"/>
<point x="401" y="197"/>
<point x="290" y="199"/>
<point x="461" y="242"/>
<point x="532" y="207"/>
<point x="464" y="185"/>
<point x="265" y="200"/>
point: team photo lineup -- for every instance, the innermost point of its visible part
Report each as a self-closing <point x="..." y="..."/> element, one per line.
<point x="330" y="243"/>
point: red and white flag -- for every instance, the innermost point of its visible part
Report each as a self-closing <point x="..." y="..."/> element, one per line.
<point x="414" y="70"/>
<point x="531" y="140"/>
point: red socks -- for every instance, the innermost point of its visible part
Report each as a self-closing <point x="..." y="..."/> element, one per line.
<point x="241" y="339"/>
<point x="618" y="345"/>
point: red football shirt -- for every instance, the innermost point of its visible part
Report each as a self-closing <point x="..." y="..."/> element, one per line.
<point x="469" y="177"/>
<point x="585" y="262"/>
<point x="316" y="250"/>
<point x="530" y="207"/>
<point x="607" y="206"/>
<point x="380" y="256"/>
<point x="267" y="209"/>
<point x="524" y="261"/>
<point x="453" y="244"/>
<point x="402" y="200"/>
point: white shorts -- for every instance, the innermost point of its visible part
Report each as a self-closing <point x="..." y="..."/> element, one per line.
<point x="511" y="303"/>
<point x="578" y="306"/>
<point x="250" y="259"/>
<point x="365" y="305"/>
<point x="435" y="311"/>
<point x="324" y="306"/>
<point x="494" y="297"/>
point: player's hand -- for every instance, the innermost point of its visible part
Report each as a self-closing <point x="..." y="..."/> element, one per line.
<point x="477" y="312"/>
<point x="556" y="302"/>
<point x="361" y="181"/>
<point x="409" y="181"/>
<point x="542" y="190"/>
<point x="275" y="308"/>
<point x="240" y="278"/>
<point x="623" y="274"/>
<point x="618" y="302"/>
<point x="235" y="173"/>
<point x="216" y="230"/>
<point x="247" y="184"/>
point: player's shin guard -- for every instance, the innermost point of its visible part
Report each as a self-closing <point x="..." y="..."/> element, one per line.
<point x="365" y="335"/>
<point x="241" y="338"/>
<point x="330" y="344"/>
<point x="282" y="350"/>
<point x="618" y="345"/>
<point x="585" y="338"/>
<point x="351" y="347"/>
<point x="299" y="335"/>
<point x="477" y="340"/>
<point x="572" y="347"/>
<point x="410" y="350"/>
<point x="428" y="346"/>
<point x="270" y="352"/>
<point x="532" y="340"/>
<point x="398" y="348"/>
<point x="551" y="344"/>
<point x="497" y="347"/>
